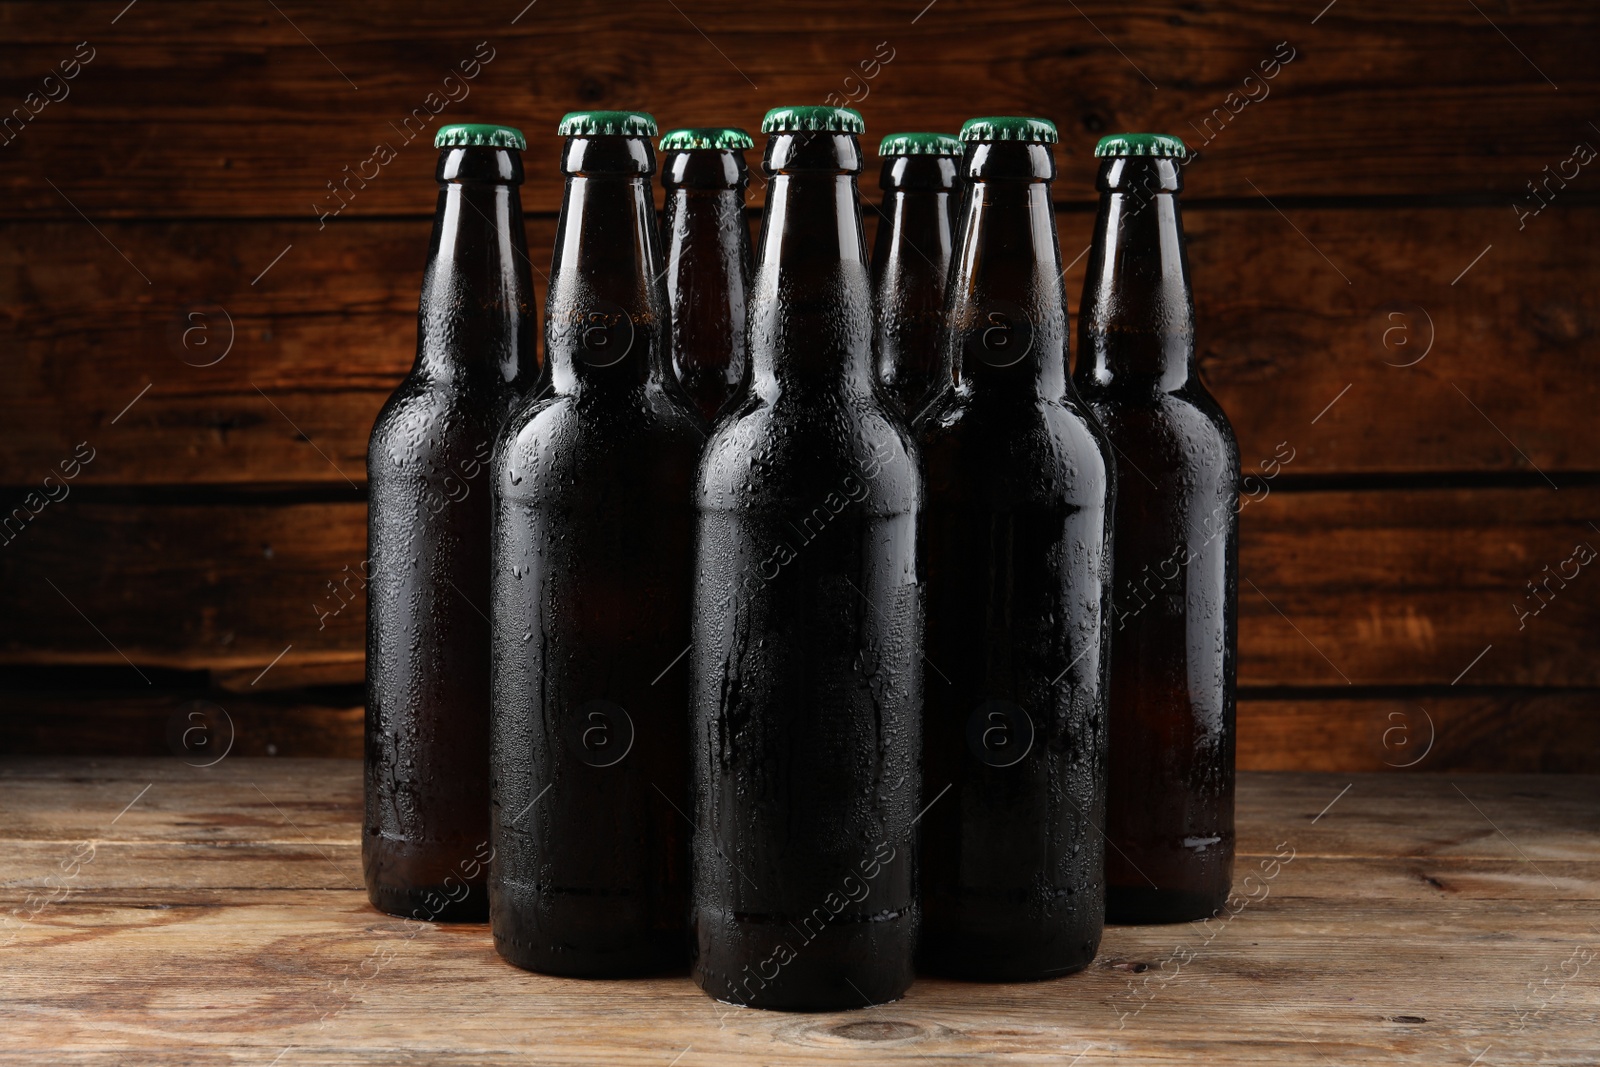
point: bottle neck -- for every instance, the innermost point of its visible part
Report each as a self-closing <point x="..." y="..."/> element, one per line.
<point x="605" y="313"/>
<point x="705" y="169"/>
<point x="704" y="211"/>
<point x="1007" y="320"/>
<point x="476" y="315"/>
<point x="811" y="306"/>
<point x="919" y="174"/>
<point x="915" y="219"/>
<point x="708" y="271"/>
<point x="1137" y="318"/>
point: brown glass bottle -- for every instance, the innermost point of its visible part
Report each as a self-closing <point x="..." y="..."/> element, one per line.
<point x="1016" y="556"/>
<point x="910" y="262"/>
<point x="594" y="514"/>
<point x="1174" y="622"/>
<point x="708" y="262"/>
<point x="426" y="846"/>
<point x="807" y="621"/>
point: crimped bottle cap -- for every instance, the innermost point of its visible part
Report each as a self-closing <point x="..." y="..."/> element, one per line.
<point x="818" y="119"/>
<point x="719" y="138"/>
<point x="1160" y="145"/>
<point x="920" y="144"/>
<point x="486" y="135"/>
<point x="1010" y="128"/>
<point x="607" y="124"/>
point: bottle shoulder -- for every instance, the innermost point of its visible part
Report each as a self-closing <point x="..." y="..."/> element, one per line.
<point x="558" y="439"/>
<point x="1191" y="405"/>
<point x="428" y="418"/>
<point x="1011" y="449"/>
<point x="767" y="455"/>
<point x="1183" y="433"/>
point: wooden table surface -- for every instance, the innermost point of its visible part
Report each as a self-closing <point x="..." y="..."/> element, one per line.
<point x="155" y="912"/>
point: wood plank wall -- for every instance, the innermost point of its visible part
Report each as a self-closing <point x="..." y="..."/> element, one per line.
<point x="1395" y="241"/>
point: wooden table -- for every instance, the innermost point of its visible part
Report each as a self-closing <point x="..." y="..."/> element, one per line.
<point x="163" y="913"/>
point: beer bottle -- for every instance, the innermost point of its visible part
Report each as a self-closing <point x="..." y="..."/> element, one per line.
<point x="910" y="262"/>
<point x="1174" y="626"/>
<point x="807" y="621"/>
<point x="426" y="846"/>
<point x="1016" y="550"/>
<point x="708" y="261"/>
<point x="593" y="518"/>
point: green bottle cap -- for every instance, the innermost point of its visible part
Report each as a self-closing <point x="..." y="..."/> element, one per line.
<point x="820" y="119"/>
<point x="1010" y="128"/>
<point x="480" y="134"/>
<point x="721" y="138"/>
<point x="1160" y="145"/>
<point x="607" y="124"/>
<point x="920" y="144"/>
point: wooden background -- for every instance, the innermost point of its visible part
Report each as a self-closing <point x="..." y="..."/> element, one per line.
<point x="1370" y="294"/>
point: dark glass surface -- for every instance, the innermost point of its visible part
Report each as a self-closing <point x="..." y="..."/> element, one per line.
<point x="708" y="273"/>
<point x="1174" y="624"/>
<point x="910" y="263"/>
<point x="1016" y="550"/>
<point x="807" y="629"/>
<point x="426" y="844"/>
<point x="593" y="518"/>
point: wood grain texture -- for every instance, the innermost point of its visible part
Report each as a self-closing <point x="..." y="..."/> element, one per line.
<point x="1392" y="588"/>
<point x="1509" y="730"/>
<point x="218" y="920"/>
<point x="1504" y="375"/>
<point x="229" y="586"/>
<point x="1368" y="298"/>
<point x="192" y="725"/>
<point x="222" y="108"/>
<point x="1450" y="730"/>
<point x="1426" y="587"/>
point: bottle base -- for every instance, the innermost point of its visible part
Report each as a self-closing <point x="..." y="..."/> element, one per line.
<point x="822" y="1006"/>
<point x="816" y="995"/>
<point x="982" y="956"/>
<point x="596" y="935"/>
<point x="1143" y="906"/>
<point x="779" y="965"/>
<point x="433" y="881"/>
<point x="660" y="954"/>
<point x="432" y="903"/>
